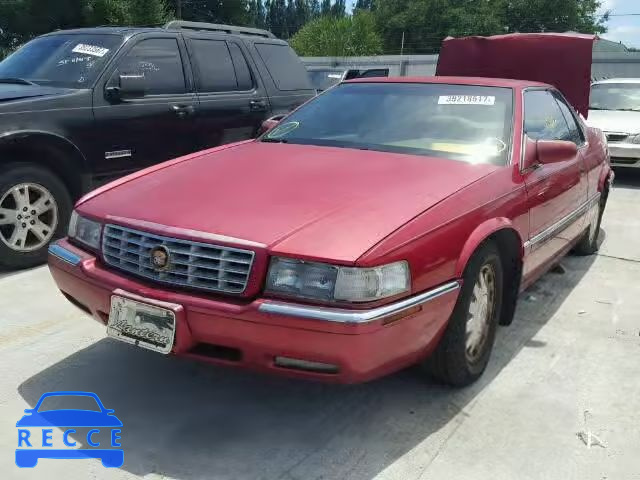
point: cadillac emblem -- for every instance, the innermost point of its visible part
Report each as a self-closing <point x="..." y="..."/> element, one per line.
<point x="160" y="258"/>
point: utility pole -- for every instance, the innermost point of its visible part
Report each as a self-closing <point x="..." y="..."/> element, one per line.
<point x="179" y="9"/>
<point x="402" y="45"/>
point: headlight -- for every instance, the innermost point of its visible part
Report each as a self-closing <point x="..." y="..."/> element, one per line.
<point x="321" y="281"/>
<point x="635" y="139"/>
<point x="85" y="231"/>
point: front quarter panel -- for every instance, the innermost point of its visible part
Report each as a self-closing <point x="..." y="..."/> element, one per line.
<point x="439" y="243"/>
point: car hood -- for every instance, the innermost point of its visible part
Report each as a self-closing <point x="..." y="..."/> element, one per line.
<point x="10" y="91"/>
<point x="559" y="59"/>
<point x="69" y="418"/>
<point x="615" y="121"/>
<point x="319" y="202"/>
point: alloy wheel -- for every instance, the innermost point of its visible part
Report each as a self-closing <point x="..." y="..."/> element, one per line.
<point x="28" y="217"/>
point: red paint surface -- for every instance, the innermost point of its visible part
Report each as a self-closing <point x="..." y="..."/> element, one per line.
<point x="561" y="60"/>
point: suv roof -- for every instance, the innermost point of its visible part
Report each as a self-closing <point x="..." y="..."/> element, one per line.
<point x="176" y="25"/>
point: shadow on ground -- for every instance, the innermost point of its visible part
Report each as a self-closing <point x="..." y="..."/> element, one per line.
<point x="188" y="421"/>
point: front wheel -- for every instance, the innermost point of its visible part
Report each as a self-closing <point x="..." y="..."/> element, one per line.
<point x="588" y="244"/>
<point x="34" y="209"/>
<point x="464" y="350"/>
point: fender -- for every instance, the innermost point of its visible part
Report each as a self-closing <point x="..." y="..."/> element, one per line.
<point x="479" y="235"/>
<point x="53" y="139"/>
<point x="606" y="176"/>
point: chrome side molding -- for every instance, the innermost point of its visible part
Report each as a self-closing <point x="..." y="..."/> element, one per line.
<point x="340" y="315"/>
<point x="563" y="223"/>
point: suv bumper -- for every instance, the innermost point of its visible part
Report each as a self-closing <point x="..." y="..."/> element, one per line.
<point x="358" y="345"/>
<point x="624" y="154"/>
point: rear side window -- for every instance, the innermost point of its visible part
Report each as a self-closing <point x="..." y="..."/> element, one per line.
<point x="158" y="59"/>
<point x="243" y="74"/>
<point x="213" y="65"/>
<point x="284" y="66"/>
<point x="543" y="119"/>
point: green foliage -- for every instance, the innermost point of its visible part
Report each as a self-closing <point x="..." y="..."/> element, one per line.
<point x="425" y="23"/>
<point x="339" y="37"/>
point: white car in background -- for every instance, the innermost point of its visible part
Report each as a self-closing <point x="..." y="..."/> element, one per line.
<point x="614" y="108"/>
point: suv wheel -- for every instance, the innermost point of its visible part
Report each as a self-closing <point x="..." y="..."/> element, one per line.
<point x="34" y="209"/>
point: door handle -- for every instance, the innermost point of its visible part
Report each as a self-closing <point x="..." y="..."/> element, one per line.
<point x="258" y="105"/>
<point x="183" y="110"/>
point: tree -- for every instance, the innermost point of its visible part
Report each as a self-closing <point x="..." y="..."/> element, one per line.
<point x="339" y="37"/>
<point x="325" y="9"/>
<point x="425" y="23"/>
<point x="148" y="12"/>
<point x="235" y="12"/>
<point x="365" y="5"/>
<point x="555" y="16"/>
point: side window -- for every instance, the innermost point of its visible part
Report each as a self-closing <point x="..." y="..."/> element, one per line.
<point x="218" y="67"/>
<point x="543" y="119"/>
<point x="575" y="132"/>
<point x="284" y="66"/>
<point x="158" y="59"/>
<point x="243" y="74"/>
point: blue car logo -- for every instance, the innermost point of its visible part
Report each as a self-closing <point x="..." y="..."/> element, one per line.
<point x="36" y="438"/>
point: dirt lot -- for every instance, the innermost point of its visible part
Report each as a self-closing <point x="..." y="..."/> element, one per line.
<point x="564" y="376"/>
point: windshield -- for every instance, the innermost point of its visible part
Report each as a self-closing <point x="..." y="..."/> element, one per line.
<point x="65" y="60"/>
<point x="615" y="96"/>
<point x="459" y="122"/>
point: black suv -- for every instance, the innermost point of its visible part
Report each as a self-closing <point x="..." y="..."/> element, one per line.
<point x="81" y="107"/>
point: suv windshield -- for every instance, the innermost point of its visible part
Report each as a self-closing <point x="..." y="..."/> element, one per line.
<point x="460" y="122"/>
<point x="64" y="60"/>
<point x="615" y="96"/>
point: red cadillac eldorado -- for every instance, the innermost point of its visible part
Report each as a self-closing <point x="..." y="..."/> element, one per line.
<point x="385" y="223"/>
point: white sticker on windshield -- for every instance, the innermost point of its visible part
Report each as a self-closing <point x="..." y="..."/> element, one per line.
<point x="466" y="100"/>
<point x="90" y="50"/>
<point x="334" y="75"/>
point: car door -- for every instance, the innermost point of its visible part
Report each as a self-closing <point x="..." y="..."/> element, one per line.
<point x="232" y="101"/>
<point x="556" y="192"/>
<point x="155" y="125"/>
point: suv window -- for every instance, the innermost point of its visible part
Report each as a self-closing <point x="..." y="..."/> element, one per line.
<point x="158" y="59"/>
<point x="575" y="132"/>
<point x="213" y="66"/>
<point x="543" y="119"/>
<point x="284" y="67"/>
<point x="243" y="74"/>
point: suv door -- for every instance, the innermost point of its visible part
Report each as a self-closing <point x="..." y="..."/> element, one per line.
<point x="556" y="192"/>
<point x="156" y="125"/>
<point x="232" y="101"/>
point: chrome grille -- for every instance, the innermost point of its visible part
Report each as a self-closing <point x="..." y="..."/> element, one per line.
<point x="191" y="264"/>
<point x="616" y="137"/>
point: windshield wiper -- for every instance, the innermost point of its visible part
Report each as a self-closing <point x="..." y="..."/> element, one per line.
<point x="274" y="140"/>
<point x="17" y="81"/>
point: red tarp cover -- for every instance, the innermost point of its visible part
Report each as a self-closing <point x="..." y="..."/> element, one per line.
<point x="562" y="60"/>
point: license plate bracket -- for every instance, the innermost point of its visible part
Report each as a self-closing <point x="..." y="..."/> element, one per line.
<point x="142" y="324"/>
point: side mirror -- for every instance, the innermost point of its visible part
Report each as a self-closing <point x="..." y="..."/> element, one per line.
<point x="554" y="151"/>
<point x="544" y="152"/>
<point x="270" y="123"/>
<point x="129" y="86"/>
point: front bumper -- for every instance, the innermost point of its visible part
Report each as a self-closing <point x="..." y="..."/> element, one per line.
<point x="624" y="154"/>
<point x="360" y="344"/>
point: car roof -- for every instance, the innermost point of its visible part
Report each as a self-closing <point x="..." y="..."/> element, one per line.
<point x="477" y="81"/>
<point x="617" y="80"/>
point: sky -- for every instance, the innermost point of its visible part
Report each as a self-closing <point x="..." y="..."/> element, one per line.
<point x="625" y="29"/>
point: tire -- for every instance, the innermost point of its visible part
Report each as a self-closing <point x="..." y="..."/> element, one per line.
<point x="588" y="244"/>
<point x="22" y="185"/>
<point x="458" y="360"/>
